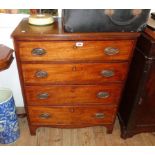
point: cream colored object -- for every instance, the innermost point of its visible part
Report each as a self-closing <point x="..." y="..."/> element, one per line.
<point x="151" y="22"/>
<point x="41" y="19"/>
<point x="5" y="95"/>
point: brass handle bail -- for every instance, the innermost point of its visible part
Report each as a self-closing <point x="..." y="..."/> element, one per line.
<point x="111" y="51"/>
<point x="103" y="94"/>
<point x="38" y="52"/>
<point x="43" y="96"/>
<point x="41" y="74"/>
<point x="44" y="115"/>
<point x="99" y="115"/>
<point x="107" y="73"/>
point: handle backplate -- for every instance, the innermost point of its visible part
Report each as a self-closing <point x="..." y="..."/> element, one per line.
<point x="111" y="51"/>
<point x="41" y="74"/>
<point x="103" y="94"/>
<point x="43" y="96"/>
<point x="38" y="52"/>
<point x="44" y="115"/>
<point x="99" y="115"/>
<point x="107" y="73"/>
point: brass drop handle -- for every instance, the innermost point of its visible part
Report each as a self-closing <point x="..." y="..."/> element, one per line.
<point x="99" y="115"/>
<point x="107" y="73"/>
<point x="43" y="96"/>
<point x="111" y="51"/>
<point x="41" y="74"/>
<point x="103" y="94"/>
<point x="38" y="52"/>
<point x="44" y="115"/>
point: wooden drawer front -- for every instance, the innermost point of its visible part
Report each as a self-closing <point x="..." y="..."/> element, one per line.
<point x="73" y="94"/>
<point x="74" y="73"/>
<point x="72" y="50"/>
<point x="71" y="115"/>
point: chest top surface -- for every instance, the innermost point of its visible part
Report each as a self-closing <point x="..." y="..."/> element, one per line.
<point x="25" y="31"/>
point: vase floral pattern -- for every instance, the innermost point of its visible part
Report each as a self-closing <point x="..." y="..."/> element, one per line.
<point x="9" y="127"/>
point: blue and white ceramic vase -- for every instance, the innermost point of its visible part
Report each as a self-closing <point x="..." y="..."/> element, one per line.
<point x="9" y="127"/>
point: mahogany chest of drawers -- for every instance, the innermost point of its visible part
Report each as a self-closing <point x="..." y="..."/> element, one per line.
<point x="71" y="80"/>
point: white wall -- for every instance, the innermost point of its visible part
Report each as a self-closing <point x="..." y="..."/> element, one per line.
<point x="9" y="78"/>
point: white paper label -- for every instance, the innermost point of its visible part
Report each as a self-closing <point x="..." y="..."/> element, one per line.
<point x="79" y="44"/>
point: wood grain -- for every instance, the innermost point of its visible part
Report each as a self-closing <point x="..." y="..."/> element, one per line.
<point x="71" y="115"/>
<point x="67" y="51"/>
<point x="74" y="73"/>
<point x="73" y="94"/>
